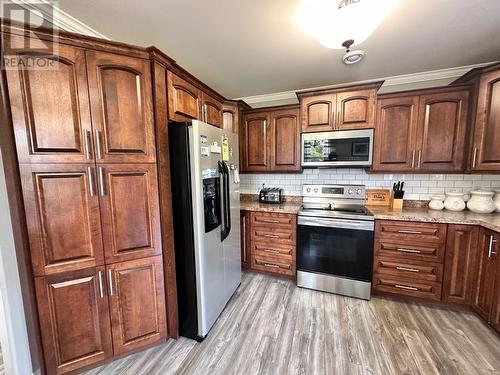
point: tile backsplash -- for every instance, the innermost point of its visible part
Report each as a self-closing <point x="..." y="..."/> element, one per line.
<point x="417" y="186"/>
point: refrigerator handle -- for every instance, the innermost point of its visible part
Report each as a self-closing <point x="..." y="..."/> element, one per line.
<point x="222" y="172"/>
<point x="227" y="199"/>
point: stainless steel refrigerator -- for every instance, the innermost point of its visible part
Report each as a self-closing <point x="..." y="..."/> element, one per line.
<point x="206" y="211"/>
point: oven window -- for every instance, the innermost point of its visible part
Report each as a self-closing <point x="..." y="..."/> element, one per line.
<point x="335" y="251"/>
<point x="354" y="149"/>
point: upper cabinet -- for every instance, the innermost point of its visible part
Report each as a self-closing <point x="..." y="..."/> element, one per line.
<point x="122" y="108"/>
<point x="486" y="146"/>
<point x="187" y="102"/>
<point x="422" y="131"/>
<point x="270" y="140"/>
<point x="341" y="109"/>
<point x="50" y="128"/>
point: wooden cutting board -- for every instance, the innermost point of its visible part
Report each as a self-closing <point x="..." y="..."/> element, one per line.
<point x="378" y="197"/>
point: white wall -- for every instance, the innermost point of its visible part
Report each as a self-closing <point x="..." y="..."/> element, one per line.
<point x="417" y="186"/>
<point x="13" y="331"/>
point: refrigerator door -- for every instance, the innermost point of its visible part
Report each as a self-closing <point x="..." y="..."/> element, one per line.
<point x="232" y="243"/>
<point x="205" y="154"/>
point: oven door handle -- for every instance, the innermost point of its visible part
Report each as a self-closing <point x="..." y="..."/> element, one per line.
<point x="337" y="223"/>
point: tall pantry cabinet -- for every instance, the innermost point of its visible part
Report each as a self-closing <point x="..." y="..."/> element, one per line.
<point x="85" y="138"/>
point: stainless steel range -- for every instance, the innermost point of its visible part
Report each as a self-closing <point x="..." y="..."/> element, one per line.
<point x="335" y="240"/>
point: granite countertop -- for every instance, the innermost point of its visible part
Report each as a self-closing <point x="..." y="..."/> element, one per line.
<point x="284" y="208"/>
<point x="490" y="221"/>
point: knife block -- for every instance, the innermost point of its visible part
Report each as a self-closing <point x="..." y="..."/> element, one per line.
<point x="396" y="203"/>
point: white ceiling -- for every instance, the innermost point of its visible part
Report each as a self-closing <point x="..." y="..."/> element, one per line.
<point x="244" y="48"/>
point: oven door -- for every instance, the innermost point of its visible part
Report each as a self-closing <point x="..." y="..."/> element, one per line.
<point x="338" y="247"/>
<point x="338" y="148"/>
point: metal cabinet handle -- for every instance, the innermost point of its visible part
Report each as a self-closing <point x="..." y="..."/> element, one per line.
<point x="86" y="143"/>
<point x="474" y="158"/>
<point x="407" y="269"/>
<point x="271" y="236"/>
<point x="101" y="287"/>
<point x="490" y="249"/>
<point x="244" y="239"/>
<point x="90" y="174"/>
<point x="110" y="276"/>
<point x="271" y="221"/>
<point x="419" y="159"/>
<point x="271" y="251"/>
<point x="98" y="143"/>
<point x="409" y="231"/>
<point x="402" y="250"/>
<point x="405" y="287"/>
<point x="413" y="159"/>
<point x="271" y="265"/>
<point x="102" y="188"/>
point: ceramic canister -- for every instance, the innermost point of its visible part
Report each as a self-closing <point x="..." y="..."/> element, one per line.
<point x="481" y="202"/>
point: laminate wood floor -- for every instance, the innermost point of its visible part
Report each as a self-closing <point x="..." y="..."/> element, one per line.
<point x="270" y="326"/>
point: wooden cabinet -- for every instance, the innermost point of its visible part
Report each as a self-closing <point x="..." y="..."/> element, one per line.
<point x="50" y="128"/>
<point x="409" y="258"/>
<point x="122" y="108"/>
<point x="460" y="264"/>
<point x="342" y="109"/>
<point x="271" y="239"/>
<point x="270" y="140"/>
<point x="128" y="196"/>
<point x="62" y="214"/>
<point x="395" y="134"/>
<point x="422" y="131"/>
<point x="184" y="99"/>
<point x="211" y="110"/>
<point x="245" y="238"/>
<point x="486" y="274"/>
<point x="495" y="313"/>
<point x="486" y="150"/>
<point x="137" y="303"/>
<point x="231" y="117"/>
<point x="74" y="319"/>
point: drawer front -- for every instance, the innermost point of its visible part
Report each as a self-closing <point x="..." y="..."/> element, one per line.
<point x="275" y="235"/>
<point x="411" y="232"/>
<point x="283" y="252"/>
<point x="413" y="288"/>
<point x="273" y="264"/>
<point x="273" y="219"/>
<point x="408" y="249"/>
<point x="408" y="269"/>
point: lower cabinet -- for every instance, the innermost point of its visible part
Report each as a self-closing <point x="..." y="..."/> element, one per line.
<point x="271" y="240"/>
<point x="245" y="239"/>
<point x="90" y="315"/>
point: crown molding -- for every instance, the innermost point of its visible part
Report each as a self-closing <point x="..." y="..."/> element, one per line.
<point x="393" y="83"/>
<point x="58" y="17"/>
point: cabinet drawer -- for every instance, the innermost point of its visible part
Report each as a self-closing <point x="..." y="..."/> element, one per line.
<point x="407" y="249"/>
<point x="411" y="232"/>
<point x="274" y="235"/>
<point x="272" y="264"/>
<point x="273" y="219"/>
<point x="408" y="287"/>
<point x="409" y="269"/>
<point x="284" y="252"/>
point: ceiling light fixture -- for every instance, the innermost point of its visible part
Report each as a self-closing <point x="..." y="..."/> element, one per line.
<point x="332" y="22"/>
<point x="352" y="57"/>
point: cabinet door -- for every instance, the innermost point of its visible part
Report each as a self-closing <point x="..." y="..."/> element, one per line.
<point x="495" y="314"/>
<point x="487" y="128"/>
<point x="50" y="106"/>
<point x="245" y="238"/>
<point x="442" y="123"/>
<point x="184" y="100"/>
<point x="212" y="110"/>
<point x="74" y="319"/>
<point x="122" y="108"/>
<point x="62" y="213"/>
<point x="128" y="195"/>
<point x="395" y="134"/>
<point x="356" y="110"/>
<point x="485" y="274"/>
<point x="285" y="140"/>
<point x="137" y="303"/>
<point x="230" y="118"/>
<point x="255" y="142"/>
<point x="318" y="112"/>
<point x="460" y="263"/>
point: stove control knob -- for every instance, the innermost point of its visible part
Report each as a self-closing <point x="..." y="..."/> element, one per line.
<point x="358" y="191"/>
<point x="308" y="190"/>
<point x="316" y="190"/>
<point x="350" y="192"/>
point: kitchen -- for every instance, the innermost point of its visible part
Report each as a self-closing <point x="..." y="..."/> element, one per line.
<point x="341" y="215"/>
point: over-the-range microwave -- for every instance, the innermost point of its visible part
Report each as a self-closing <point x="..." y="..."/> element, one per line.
<point x="342" y="148"/>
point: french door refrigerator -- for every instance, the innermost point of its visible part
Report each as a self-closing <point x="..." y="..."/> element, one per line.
<point x="206" y="212"/>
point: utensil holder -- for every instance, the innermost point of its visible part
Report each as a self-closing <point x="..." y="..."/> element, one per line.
<point x="397" y="203"/>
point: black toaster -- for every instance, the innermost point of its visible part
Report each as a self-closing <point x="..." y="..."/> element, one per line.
<point x="271" y="195"/>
